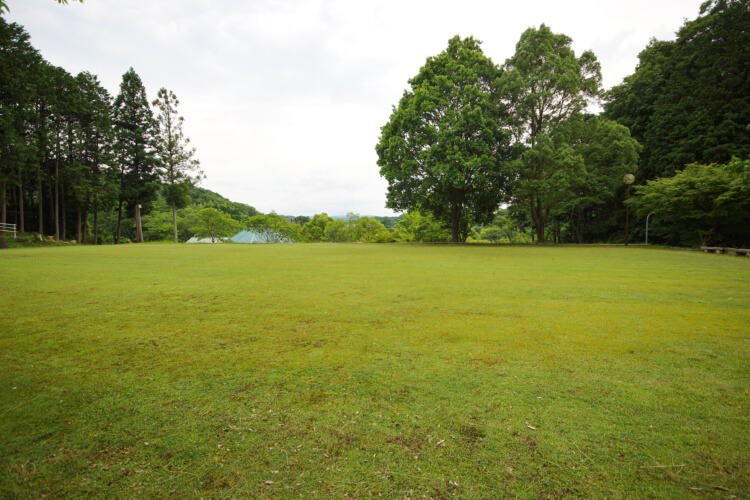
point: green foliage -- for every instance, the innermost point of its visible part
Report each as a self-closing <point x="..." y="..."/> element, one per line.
<point x="709" y="202"/>
<point x="548" y="87"/>
<point x="338" y="231"/>
<point x="274" y="228"/>
<point x="689" y="100"/>
<point x="135" y="134"/>
<point x="444" y="145"/>
<point x="214" y="224"/>
<point x="158" y="225"/>
<point x="607" y="152"/>
<point x="135" y="143"/>
<point x="206" y="198"/>
<point x="503" y="229"/>
<point x="388" y="222"/>
<point x="370" y="230"/>
<point x="300" y="220"/>
<point x="314" y="230"/>
<point x="416" y="226"/>
<point x="179" y="168"/>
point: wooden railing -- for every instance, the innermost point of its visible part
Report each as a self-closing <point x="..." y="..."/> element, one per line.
<point x="8" y="228"/>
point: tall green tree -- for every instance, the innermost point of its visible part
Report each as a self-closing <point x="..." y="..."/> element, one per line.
<point x="608" y="152"/>
<point x="444" y="146"/>
<point x="20" y="66"/>
<point x="547" y="85"/>
<point x="96" y="188"/>
<point x="135" y="138"/>
<point x="180" y="169"/>
<point x="214" y="224"/>
<point x="314" y="230"/>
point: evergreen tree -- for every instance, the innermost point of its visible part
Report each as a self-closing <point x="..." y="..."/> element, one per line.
<point x="20" y="65"/>
<point x="180" y="169"/>
<point x="135" y="131"/>
<point x="96" y="188"/>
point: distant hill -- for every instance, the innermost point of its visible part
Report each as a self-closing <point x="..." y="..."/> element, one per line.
<point x="241" y="211"/>
<point x="238" y="211"/>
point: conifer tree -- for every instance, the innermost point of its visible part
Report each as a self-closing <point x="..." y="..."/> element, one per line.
<point x="180" y="169"/>
<point x="135" y="130"/>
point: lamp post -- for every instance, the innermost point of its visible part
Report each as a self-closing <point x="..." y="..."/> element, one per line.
<point x="647" y="217"/>
<point x="627" y="179"/>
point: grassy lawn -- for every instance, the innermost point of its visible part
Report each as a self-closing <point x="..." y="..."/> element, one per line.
<point x="359" y="370"/>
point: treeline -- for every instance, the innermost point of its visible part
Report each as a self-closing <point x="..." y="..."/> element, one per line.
<point x="71" y="155"/>
<point x="321" y="228"/>
<point x="471" y="136"/>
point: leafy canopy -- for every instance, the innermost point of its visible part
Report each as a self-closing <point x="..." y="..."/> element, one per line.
<point x="444" y="146"/>
<point x="214" y="224"/>
<point x="547" y="87"/>
<point x="711" y="202"/>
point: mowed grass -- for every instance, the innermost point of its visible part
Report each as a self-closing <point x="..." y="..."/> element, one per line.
<point x="366" y="370"/>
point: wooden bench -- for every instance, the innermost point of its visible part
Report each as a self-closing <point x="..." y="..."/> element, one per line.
<point x="739" y="252"/>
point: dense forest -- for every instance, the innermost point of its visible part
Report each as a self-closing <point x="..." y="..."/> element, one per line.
<point x="474" y="151"/>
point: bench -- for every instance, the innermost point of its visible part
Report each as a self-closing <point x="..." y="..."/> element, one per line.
<point x="739" y="252"/>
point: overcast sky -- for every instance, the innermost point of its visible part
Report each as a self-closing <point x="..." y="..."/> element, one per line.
<point x="284" y="99"/>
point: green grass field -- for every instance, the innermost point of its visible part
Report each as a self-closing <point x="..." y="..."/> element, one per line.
<point x="365" y="370"/>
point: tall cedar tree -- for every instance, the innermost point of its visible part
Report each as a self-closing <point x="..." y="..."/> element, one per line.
<point x="444" y="146"/>
<point x="547" y="86"/>
<point x="19" y="73"/>
<point x="135" y="133"/>
<point x="180" y="169"/>
<point x="94" y="145"/>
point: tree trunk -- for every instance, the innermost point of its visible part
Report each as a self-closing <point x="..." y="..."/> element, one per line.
<point x="540" y="234"/>
<point x="96" y="226"/>
<point x="119" y="222"/>
<point x="174" y="220"/>
<point x="57" y="198"/>
<point x="21" y="227"/>
<point x="138" y="230"/>
<point x="536" y="217"/>
<point x="51" y="205"/>
<point x="455" y="222"/>
<point x="41" y="204"/>
<point x="3" y="204"/>
<point x="79" y="240"/>
<point x="85" y="222"/>
<point x="64" y="232"/>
